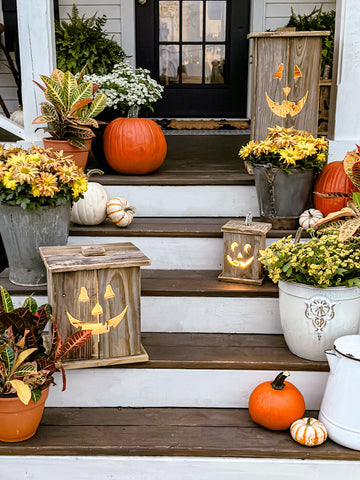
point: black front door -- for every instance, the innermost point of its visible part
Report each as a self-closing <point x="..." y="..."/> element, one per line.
<point x="197" y="49"/>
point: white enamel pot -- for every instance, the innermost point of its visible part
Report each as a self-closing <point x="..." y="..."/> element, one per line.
<point x="340" y="412"/>
<point x="312" y="318"/>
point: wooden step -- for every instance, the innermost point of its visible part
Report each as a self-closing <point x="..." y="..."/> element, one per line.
<point x="165" y="432"/>
<point x="198" y="302"/>
<point x="170" y="243"/>
<point x="184" y="368"/>
<point x="194" y="227"/>
<point x="191" y="160"/>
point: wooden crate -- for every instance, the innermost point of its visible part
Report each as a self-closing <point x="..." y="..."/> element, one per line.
<point x="285" y="81"/>
<point x="98" y="287"/>
<point x="242" y="245"/>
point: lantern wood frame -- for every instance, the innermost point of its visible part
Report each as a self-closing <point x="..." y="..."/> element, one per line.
<point x="254" y="235"/>
<point x="94" y="267"/>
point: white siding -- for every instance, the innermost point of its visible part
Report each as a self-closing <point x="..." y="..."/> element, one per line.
<point x="110" y="8"/>
<point x="277" y="12"/>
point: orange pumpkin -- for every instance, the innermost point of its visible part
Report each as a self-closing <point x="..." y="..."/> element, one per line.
<point x="332" y="179"/>
<point x="134" y="146"/>
<point x="276" y="405"/>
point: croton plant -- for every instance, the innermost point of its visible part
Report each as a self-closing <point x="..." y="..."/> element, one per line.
<point x="26" y="364"/>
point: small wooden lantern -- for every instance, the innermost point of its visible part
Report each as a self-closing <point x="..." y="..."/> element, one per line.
<point x="97" y="287"/>
<point x="242" y="242"/>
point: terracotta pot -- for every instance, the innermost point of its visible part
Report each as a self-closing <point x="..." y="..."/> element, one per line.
<point x="80" y="156"/>
<point x="18" y="422"/>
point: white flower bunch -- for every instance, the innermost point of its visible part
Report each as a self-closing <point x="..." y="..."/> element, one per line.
<point x="124" y="88"/>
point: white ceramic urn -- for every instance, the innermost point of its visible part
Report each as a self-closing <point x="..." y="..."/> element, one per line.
<point x="340" y="412"/>
<point x="312" y="318"/>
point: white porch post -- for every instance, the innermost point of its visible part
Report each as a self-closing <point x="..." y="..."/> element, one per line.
<point x="344" y="123"/>
<point x="37" y="56"/>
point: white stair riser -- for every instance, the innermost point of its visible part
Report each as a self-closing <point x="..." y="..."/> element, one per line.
<point x="138" y="387"/>
<point x="171" y="253"/>
<point x="189" y="200"/>
<point x="204" y="314"/>
<point x="175" y="468"/>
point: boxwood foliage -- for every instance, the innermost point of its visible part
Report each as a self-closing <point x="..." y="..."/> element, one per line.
<point x="81" y="41"/>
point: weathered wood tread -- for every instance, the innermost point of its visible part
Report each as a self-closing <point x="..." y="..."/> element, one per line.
<point x="197" y="432"/>
<point x="209" y="227"/>
<point x="222" y="351"/>
<point x="191" y="160"/>
<point x="173" y="283"/>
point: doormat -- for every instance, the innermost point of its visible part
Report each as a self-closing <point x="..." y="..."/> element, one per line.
<point x="203" y="124"/>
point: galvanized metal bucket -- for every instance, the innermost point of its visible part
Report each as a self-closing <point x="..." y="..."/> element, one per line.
<point x="23" y="232"/>
<point x="282" y="194"/>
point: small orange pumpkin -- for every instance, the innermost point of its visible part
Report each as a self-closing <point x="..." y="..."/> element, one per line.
<point x="276" y="405"/>
<point x="134" y="146"/>
<point x="308" y="431"/>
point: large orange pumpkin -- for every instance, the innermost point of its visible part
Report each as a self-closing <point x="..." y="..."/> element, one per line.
<point x="276" y="405"/>
<point x="332" y="179"/>
<point x="134" y="146"/>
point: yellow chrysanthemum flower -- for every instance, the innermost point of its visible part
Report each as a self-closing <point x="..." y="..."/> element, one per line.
<point x="8" y="181"/>
<point x="47" y="184"/>
<point x="79" y="186"/>
<point x="25" y="173"/>
<point x="247" y="149"/>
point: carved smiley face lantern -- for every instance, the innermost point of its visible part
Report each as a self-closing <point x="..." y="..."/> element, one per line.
<point x="243" y="241"/>
<point x="286" y="107"/>
<point x="97" y="288"/>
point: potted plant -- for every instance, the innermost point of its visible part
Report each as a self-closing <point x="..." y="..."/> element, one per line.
<point x="37" y="187"/>
<point x="81" y="41"/>
<point x="131" y="145"/>
<point x="27" y="365"/>
<point x="69" y="113"/>
<point x="319" y="290"/>
<point x="284" y="165"/>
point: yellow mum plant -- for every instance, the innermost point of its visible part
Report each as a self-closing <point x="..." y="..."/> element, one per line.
<point x="38" y="177"/>
<point x="322" y="261"/>
<point x="287" y="148"/>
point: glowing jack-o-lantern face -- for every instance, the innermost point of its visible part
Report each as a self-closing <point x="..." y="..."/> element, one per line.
<point x="98" y="327"/>
<point x="286" y="107"/>
<point x="242" y="260"/>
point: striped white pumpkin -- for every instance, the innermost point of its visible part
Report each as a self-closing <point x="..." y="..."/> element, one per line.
<point x="308" y="431"/>
<point x="120" y="211"/>
<point x="308" y="218"/>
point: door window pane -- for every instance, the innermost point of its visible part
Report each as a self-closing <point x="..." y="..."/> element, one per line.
<point x="215" y="21"/>
<point x="192" y="21"/>
<point x="214" y="63"/>
<point x="192" y="64"/>
<point x="169" y="21"/>
<point x="169" y="64"/>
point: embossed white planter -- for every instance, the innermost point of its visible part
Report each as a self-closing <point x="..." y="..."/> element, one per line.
<point x="312" y="318"/>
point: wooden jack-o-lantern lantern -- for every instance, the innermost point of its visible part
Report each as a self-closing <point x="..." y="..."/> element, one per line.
<point x="97" y="288"/>
<point x="243" y="241"/>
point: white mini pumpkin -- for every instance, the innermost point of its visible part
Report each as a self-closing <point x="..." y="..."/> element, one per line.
<point x="308" y="431"/>
<point x="308" y="218"/>
<point x="18" y="117"/>
<point x="91" y="210"/>
<point x="120" y="211"/>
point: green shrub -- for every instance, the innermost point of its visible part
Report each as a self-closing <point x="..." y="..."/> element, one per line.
<point x="318" y="20"/>
<point x="83" y="41"/>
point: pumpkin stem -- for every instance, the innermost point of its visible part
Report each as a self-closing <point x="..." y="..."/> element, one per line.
<point x="308" y="421"/>
<point x="94" y="171"/>
<point x="278" y="383"/>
